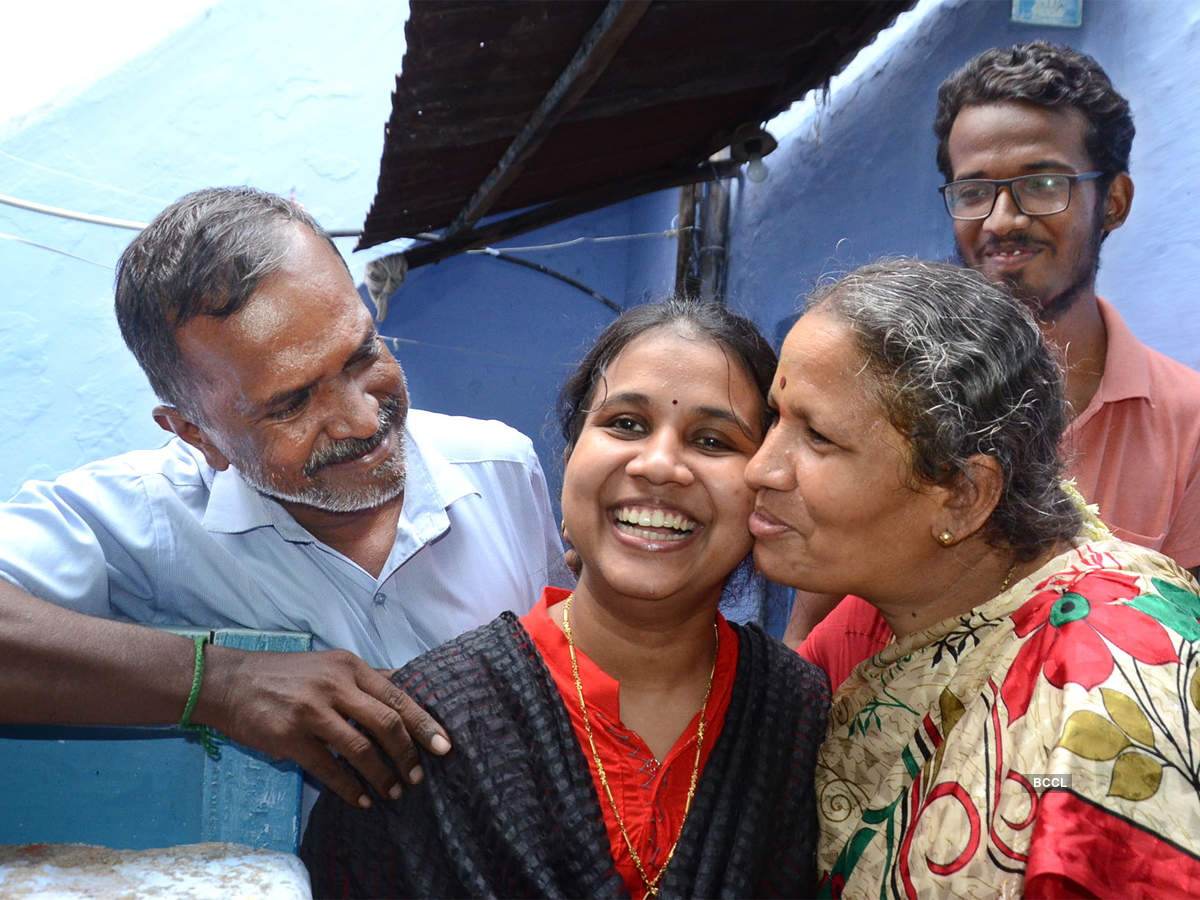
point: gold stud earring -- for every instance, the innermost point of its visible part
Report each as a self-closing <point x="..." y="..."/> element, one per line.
<point x="946" y="538"/>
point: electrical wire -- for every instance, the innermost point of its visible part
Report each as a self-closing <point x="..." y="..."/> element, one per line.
<point x="71" y="214"/>
<point x="80" y="178"/>
<point x="523" y="360"/>
<point x="669" y="233"/>
<point x="492" y="252"/>
<point x="21" y="240"/>
<point x="546" y="270"/>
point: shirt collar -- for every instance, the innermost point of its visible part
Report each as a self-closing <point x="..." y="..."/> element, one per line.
<point x="235" y="507"/>
<point x="431" y="485"/>
<point x="1126" y="367"/>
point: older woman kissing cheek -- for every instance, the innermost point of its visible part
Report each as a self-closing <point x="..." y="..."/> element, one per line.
<point x="1028" y="731"/>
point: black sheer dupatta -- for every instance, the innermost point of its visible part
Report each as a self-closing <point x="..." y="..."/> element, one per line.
<point x="512" y="810"/>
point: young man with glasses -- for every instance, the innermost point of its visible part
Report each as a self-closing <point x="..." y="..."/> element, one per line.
<point x="1034" y="144"/>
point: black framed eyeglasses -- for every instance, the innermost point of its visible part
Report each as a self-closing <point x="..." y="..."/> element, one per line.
<point x="1042" y="194"/>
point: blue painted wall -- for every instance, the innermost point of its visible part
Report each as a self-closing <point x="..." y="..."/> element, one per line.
<point x="855" y="178"/>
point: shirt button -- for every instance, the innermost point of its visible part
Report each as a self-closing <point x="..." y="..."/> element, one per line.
<point x="380" y="598"/>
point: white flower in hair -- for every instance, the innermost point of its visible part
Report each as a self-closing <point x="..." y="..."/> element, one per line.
<point x="1093" y="528"/>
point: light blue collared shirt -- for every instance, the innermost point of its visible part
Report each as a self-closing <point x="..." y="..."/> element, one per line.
<point x="158" y="536"/>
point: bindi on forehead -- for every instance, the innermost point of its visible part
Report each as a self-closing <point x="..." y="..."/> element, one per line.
<point x="674" y="402"/>
<point x="782" y="382"/>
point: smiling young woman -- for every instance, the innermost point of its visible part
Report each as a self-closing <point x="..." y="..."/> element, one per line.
<point x="623" y="737"/>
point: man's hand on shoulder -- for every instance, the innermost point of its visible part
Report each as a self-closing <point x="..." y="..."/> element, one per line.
<point x="299" y="706"/>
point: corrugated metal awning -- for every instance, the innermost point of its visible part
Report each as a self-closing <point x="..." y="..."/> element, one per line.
<point x="558" y="108"/>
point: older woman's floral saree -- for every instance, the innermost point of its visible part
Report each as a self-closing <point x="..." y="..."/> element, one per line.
<point x="1046" y="743"/>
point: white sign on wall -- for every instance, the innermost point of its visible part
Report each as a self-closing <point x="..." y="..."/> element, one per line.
<point x="1058" y="13"/>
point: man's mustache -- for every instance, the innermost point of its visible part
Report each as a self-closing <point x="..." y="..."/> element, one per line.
<point x="348" y="449"/>
<point x="1010" y="242"/>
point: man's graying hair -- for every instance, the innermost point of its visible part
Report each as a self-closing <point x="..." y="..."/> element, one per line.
<point x="961" y="368"/>
<point x="1046" y="75"/>
<point x="204" y="255"/>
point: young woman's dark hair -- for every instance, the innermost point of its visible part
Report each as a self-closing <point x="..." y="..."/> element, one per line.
<point x="706" y="320"/>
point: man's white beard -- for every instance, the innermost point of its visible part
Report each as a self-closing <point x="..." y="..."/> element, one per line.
<point x="385" y="483"/>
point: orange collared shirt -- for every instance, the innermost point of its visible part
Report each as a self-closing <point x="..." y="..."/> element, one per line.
<point x="1135" y="449"/>
<point x="651" y="794"/>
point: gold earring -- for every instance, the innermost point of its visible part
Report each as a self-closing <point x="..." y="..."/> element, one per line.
<point x="946" y="538"/>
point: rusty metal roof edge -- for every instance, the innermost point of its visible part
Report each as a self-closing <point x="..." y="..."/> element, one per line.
<point x="591" y="58"/>
<point x="566" y="94"/>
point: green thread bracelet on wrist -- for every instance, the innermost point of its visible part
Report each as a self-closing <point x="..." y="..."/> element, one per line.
<point x="208" y="740"/>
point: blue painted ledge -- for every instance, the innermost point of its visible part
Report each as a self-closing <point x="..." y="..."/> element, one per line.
<point x="142" y="787"/>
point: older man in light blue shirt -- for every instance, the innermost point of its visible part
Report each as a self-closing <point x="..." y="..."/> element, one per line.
<point x="299" y="493"/>
<point x="159" y="536"/>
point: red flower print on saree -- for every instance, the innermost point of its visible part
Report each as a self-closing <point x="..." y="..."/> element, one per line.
<point x="1067" y="621"/>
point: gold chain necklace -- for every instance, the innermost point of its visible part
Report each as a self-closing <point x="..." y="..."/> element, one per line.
<point x="1003" y="587"/>
<point x="1007" y="578"/>
<point x="651" y="883"/>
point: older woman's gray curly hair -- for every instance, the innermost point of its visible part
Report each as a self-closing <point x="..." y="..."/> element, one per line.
<point x="961" y="368"/>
